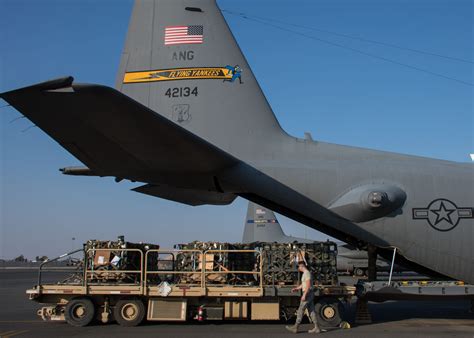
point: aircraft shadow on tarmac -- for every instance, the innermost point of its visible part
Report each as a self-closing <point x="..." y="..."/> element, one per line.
<point x="393" y="311"/>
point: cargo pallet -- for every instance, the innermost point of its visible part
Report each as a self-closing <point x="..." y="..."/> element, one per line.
<point x="159" y="294"/>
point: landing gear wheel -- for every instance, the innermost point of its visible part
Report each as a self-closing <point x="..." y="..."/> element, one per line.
<point x="79" y="311"/>
<point x="129" y="312"/>
<point x="359" y="272"/>
<point x="329" y="312"/>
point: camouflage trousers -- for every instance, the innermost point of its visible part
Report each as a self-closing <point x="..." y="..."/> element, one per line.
<point x="308" y="303"/>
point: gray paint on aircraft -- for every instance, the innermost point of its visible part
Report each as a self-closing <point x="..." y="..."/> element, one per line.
<point x="233" y="144"/>
<point x="261" y="225"/>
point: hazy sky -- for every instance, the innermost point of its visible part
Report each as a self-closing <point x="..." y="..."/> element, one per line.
<point x="337" y="94"/>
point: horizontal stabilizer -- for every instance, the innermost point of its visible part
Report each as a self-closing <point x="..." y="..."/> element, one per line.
<point x="116" y="136"/>
<point x="186" y="196"/>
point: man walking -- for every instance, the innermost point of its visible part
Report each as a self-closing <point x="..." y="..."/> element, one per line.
<point x="307" y="300"/>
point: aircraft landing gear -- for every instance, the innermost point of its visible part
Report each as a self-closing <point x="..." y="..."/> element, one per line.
<point x="372" y="269"/>
<point x="359" y="272"/>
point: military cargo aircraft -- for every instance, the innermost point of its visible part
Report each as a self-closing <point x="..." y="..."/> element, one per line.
<point x="173" y="123"/>
<point x="261" y="225"/>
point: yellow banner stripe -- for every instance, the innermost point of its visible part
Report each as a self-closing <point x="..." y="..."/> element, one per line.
<point x="178" y="74"/>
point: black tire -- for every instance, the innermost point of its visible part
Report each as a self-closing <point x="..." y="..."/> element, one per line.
<point x="129" y="312"/>
<point x="79" y="311"/>
<point x="359" y="272"/>
<point x="329" y="312"/>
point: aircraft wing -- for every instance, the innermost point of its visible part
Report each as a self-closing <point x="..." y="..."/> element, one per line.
<point x="116" y="136"/>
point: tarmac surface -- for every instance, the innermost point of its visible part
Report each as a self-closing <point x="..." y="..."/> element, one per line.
<point x="390" y="319"/>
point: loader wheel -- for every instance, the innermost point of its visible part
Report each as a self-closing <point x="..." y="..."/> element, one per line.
<point x="359" y="272"/>
<point x="129" y="312"/>
<point x="79" y="311"/>
<point x="329" y="312"/>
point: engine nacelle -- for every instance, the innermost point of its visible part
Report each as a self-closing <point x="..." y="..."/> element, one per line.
<point x="368" y="202"/>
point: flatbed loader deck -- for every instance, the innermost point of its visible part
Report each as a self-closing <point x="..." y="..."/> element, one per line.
<point x="158" y="291"/>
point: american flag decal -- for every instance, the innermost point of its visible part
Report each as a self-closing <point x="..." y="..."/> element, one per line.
<point x="179" y="35"/>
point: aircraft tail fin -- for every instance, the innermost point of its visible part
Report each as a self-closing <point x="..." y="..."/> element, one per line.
<point x="261" y="225"/>
<point x="182" y="61"/>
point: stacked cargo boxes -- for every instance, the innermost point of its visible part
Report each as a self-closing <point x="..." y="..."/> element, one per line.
<point x="106" y="260"/>
<point x="279" y="264"/>
<point x="281" y="260"/>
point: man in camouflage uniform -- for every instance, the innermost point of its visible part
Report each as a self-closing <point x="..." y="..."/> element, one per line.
<point x="307" y="300"/>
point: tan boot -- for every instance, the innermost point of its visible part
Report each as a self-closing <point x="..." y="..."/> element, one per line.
<point x="315" y="329"/>
<point x="293" y="329"/>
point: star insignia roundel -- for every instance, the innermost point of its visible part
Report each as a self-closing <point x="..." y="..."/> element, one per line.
<point x="442" y="214"/>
